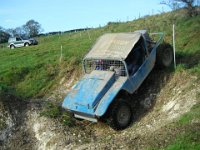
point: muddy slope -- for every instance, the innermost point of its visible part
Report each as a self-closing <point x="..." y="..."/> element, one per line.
<point x="161" y="99"/>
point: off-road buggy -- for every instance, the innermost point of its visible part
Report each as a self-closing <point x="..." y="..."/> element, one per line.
<point x="115" y="67"/>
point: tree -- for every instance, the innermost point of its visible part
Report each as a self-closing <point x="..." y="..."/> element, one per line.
<point x="32" y="28"/>
<point x="3" y="35"/>
<point x="10" y="31"/>
<point x="188" y="4"/>
<point x="19" y="31"/>
<point x="171" y="3"/>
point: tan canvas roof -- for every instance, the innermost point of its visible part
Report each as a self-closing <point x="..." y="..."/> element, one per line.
<point x="114" y="45"/>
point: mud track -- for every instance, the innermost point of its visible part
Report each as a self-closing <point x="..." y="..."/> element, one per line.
<point x="161" y="99"/>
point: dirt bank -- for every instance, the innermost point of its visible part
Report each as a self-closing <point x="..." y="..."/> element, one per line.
<point x="162" y="99"/>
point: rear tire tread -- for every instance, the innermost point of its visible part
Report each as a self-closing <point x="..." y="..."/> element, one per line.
<point x="160" y="62"/>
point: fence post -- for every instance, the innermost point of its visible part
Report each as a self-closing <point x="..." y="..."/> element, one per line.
<point x="88" y="34"/>
<point x="61" y="53"/>
<point x="174" y="46"/>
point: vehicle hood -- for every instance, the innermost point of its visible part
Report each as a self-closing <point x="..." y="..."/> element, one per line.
<point x="89" y="90"/>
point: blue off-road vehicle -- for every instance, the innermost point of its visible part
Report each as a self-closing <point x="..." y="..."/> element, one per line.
<point x="115" y="68"/>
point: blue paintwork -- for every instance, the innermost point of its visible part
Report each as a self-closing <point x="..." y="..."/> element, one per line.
<point x="130" y="84"/>
<point x="82" y="99"/>
<point x="94" y="93"/>
<point x="102" y="107"/>
<point x="137" y="79"/>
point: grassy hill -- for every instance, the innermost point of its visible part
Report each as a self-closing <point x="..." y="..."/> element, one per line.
<point x="35" y="71"/>
<point x="32" y="71"/>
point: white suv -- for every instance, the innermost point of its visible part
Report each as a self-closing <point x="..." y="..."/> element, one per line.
<point x="14" y="42"/>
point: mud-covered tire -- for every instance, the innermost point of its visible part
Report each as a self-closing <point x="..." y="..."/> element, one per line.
<point x="120" y="115"/>
<point x="164" y="56"/>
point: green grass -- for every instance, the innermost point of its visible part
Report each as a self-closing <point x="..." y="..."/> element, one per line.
<point x="190" y="116"/>
<point x="187" y="141"/>
<point x="34" y="71"/>
<point x="2" y="123"/>
<point x="184" y="133"/>
<point x="54" y="111"/>
<point x="51" y="110"/>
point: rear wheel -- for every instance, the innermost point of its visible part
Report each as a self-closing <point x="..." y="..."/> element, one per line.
<point x="26" y="44"/>
<point x="164" y="55"/>
<point x="120" y="115"/>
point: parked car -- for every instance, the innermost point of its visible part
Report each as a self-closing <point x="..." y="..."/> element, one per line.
<point x="14" y="42"/>
<point x="114" y="69"/>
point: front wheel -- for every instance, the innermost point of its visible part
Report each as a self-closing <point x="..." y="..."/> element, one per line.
<point x="12" y="46"/>
<point x="120" y="115"/>
<point x="164" y="56"/>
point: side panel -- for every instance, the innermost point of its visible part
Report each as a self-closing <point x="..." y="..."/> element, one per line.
<point x="105" y="102"/>
<point x="143" y="71"/>
<point x="19" y="43"/>
<point x="130" y="85"/>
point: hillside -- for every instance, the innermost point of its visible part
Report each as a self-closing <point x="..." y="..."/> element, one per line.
<point x="34" y="70"/>
<point x="33" y="80"/>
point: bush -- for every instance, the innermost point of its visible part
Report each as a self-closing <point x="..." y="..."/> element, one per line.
<point x="52" y="110"/>
<point x="5" y="90"/>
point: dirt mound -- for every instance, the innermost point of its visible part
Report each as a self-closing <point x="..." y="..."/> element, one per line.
<point x="162" y="98"/>
<point x="159" y="103"/>
<point x="11" y="118"/>
<point x="6" y="123"/>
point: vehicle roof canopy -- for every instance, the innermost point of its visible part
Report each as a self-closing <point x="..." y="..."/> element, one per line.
<point x="114" y="45"/>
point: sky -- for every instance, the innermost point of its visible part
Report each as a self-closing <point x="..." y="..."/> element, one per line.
<point x="63" y="15"/>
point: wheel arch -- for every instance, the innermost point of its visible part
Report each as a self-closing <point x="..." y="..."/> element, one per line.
<point x="103" y="109"/>
<point x="115" y="116"/>
<point x="12" y="45"/>
<point x="123" y="94"/>
<point x="26" y="43"/>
